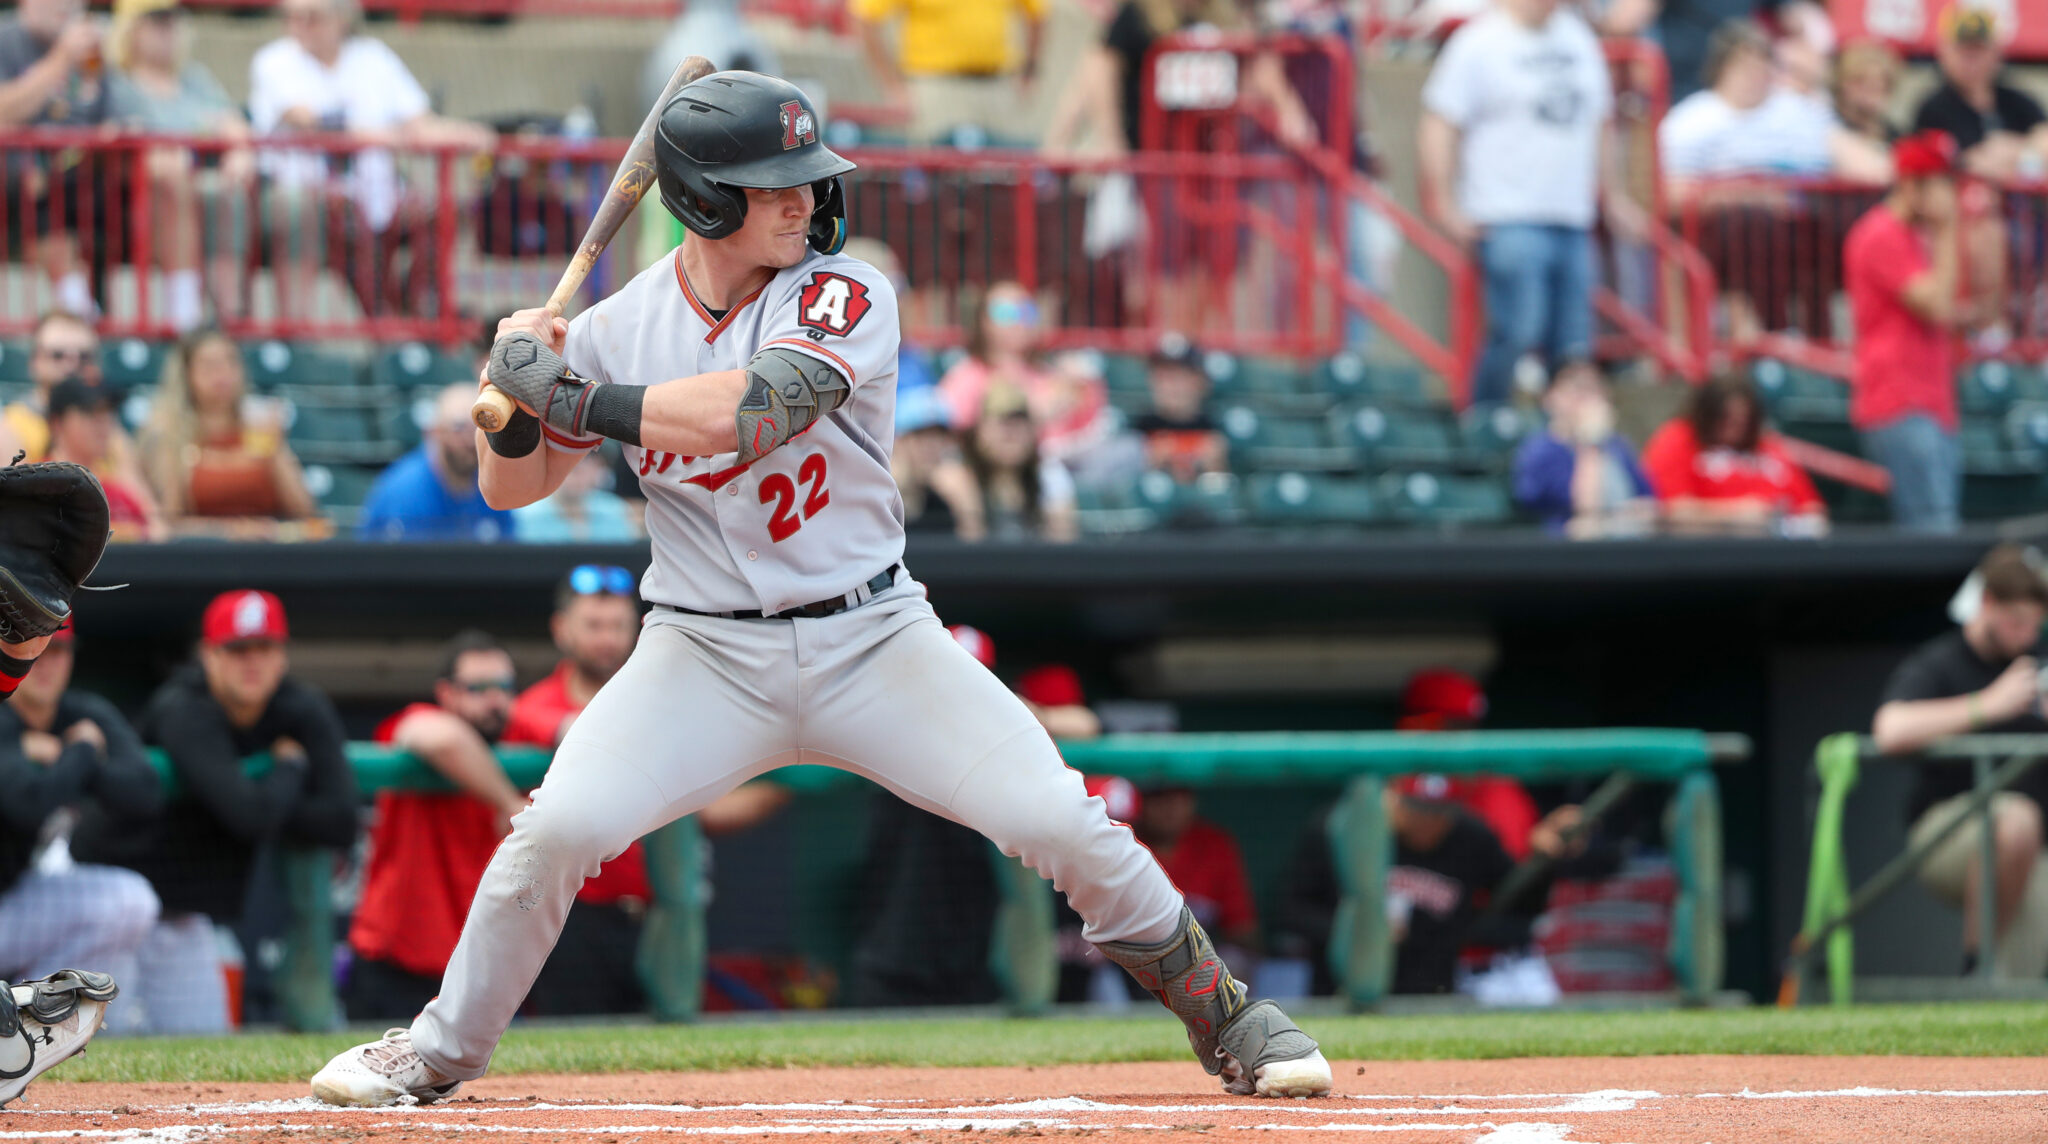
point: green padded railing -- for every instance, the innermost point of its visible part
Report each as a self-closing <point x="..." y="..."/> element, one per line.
<point x="1023" y="951"/>
<point x="1996" y="761"/>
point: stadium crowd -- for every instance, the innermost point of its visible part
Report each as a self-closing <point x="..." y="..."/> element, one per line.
<point x="1524" y="160"/>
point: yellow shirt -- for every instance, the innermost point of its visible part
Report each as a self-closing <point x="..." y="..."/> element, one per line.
<point x="953" y="37"/>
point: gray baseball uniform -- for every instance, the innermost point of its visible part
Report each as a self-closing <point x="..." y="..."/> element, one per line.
<point x="707" y="702"/>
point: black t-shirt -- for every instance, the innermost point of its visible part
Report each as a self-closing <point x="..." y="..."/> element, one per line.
<point x="1150" y="422"/>
<point x="1946" y="110"/>
<point x="198" y="855"/>
<point x="1130" y="36"/>
<point x="1942" y="668"/>
<point x="121" y="785"/>
<point x="1441" y="883"/>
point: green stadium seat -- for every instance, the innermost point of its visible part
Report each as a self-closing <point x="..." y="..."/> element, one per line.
<point x="1792" y="393"/>
<point x="2026" y="426"/>
<point x="1312" y="498"/>
<point x="341" y="489"/>
<point x="129" y="363"/>
<point x="1989" y="449"/>
<point x="415" y="364"/>
<point x="1211" y="499"/>
<point x="1280" y="385"/>
<point x="1993" y="387"/>
<point x="274" y="363"/>
<point x="1426" y="498"/>
<point x="1407" y="438"/>
<point x="1493" y="433"/>
<point x="1350" y="376"/>
<point x="346" y="425"/>
<point x="13" y="363"/>
<point x="1124" y="373"/>
<point x="1273" y="442"/>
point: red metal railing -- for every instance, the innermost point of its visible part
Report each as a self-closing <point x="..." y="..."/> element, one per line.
<point x="1198" y="101"/>
<point x="337" y="239"/>
<point x="808" y="13"/>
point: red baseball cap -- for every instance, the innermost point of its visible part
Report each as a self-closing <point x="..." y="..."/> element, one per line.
<point x="1119" y="794"/>
<point x="977" y="643"/>
<point x="1438" y="697"/>
<point x="1924" y="153"/>
<point x="1052" y="685"/>
<point x="242" y="616"/>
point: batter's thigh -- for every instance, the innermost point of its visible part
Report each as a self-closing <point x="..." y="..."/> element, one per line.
<point x="890" y="695"/>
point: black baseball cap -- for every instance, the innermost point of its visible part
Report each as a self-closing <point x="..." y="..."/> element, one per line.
<point x="74" y="393"/>
<point x="1176" y="349"/>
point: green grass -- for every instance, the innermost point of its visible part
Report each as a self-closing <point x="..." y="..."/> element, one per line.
<point x="1962" y="1029"/>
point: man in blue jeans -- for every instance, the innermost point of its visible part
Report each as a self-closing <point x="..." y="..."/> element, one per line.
<point x="1514" y="149"/>
<point x="1900" y="265"/>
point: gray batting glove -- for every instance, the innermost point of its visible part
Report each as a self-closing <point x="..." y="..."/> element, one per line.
<point x="536" y="376"/>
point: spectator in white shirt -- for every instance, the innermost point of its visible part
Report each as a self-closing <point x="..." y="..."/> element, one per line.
<point x="324" y="77"/>
<point x="1727" y="151"/>
<point x="1515" y="150"/>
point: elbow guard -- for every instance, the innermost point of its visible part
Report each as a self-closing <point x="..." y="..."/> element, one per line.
<point x="787" y="392"/>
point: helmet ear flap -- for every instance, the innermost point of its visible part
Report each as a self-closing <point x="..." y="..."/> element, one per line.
<point x="828" y="218"/>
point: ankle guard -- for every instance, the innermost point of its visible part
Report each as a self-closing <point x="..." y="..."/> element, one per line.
<point x="1186" y="975"/>
<point x="56" y="997"/>
<point x="17" y="1048"/>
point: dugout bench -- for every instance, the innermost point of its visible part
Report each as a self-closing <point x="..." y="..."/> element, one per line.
<point x="1825" y="934"/>
<point x="671" y="957"/>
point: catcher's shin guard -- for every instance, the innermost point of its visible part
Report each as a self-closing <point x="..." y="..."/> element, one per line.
<point x="1231" y="1037"/>
<point x="43" y="1023"/>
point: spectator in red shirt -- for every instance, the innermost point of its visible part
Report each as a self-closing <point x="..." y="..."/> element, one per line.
<point x="1718" y="468"/>
<point x="82" y="431"/>
<point x="1900" y="264"/>
<point x="596" y="621"/>
<point x="428" y="851"/>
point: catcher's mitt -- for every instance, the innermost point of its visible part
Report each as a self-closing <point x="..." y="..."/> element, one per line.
<point x="53" y="528"/>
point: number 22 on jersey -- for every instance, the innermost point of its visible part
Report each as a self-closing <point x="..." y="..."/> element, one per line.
<point x="777" y="489"/>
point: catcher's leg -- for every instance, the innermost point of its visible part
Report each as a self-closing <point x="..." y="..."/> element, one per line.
<point x="44" y="1023"/>
<point x="905" y="704"/>
<point x="695" y="711"/>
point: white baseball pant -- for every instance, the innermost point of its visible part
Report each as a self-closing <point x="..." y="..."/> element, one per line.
<point x="705" y="704"/>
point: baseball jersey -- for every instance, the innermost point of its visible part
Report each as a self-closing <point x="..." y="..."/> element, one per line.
<point x="812" y="520"/>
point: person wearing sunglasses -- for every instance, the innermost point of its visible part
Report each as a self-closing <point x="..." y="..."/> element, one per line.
<point x="63" y="348"/>
<point x="427" y="851"/>
<point x="1003" y="347"/>
<point x="238" y="700"/>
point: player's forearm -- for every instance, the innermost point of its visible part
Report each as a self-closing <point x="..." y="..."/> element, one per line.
<point x="694" y="416"/>
<point x="459" y="755"/>
<point x="1906" y="725"/>
<point x="515" y="482"/>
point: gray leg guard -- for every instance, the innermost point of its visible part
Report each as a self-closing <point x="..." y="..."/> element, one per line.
<point x="32" y="1033"/>
<point x="1231" y="1037"/>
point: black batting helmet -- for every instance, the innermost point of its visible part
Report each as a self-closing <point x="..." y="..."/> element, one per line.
<point x="737" y="129"/>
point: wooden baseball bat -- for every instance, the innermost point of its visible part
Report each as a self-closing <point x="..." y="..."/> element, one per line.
<point x="629" y="184"/>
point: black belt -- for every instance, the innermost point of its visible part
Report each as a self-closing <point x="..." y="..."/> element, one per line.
<point x="882" y="582"/>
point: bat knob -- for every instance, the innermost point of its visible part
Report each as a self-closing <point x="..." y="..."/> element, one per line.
<point x="492" y="410"/>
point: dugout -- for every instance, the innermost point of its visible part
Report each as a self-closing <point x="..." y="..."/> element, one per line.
<point x="1781" y="641"/>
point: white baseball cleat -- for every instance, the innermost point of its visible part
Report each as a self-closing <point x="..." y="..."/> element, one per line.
<point x="44" y="1023"/>
<point x="382" y="1072"/>
<point x="1302" y="1076"/>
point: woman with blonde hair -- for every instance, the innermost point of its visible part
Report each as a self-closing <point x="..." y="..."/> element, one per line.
<point x="200" y="199"/>
<point x="207" y="457"/>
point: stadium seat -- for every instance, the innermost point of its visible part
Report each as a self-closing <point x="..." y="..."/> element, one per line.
<point x="1350" y="376"/>
<point x="338" y="426"/>
<point x="1312" y="498"/>
<point x="1409" y="438"/>
<point x="127" y="363"/>
<point x="1270" y="441"/>
<point x="1491" y="434"/>
<point x="1792" y="393"/>
<point x="1211" y="499"/>
<point x="416" y="363"/>
<point x="1989" y="449"/>
<point x="1124" y="376"/>
<point x="1425" y="498"/>
<point x="341" y="488"/>
<point x="1992" y="387"/>
<point x="13" y="363"/>
<point x="274" y="363"/>
<point x="1279" y="385"/>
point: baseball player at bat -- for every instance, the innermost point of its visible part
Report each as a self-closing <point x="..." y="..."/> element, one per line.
<point x="751" y="375"/>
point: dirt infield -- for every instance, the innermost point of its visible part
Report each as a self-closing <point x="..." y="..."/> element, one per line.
<point x="1645" y="1100"/>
